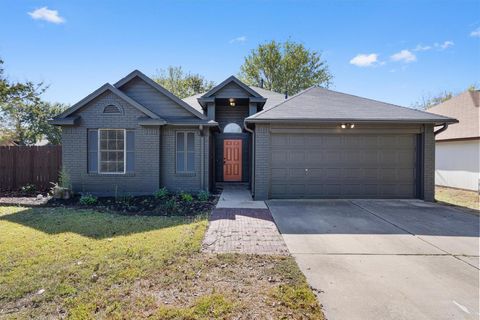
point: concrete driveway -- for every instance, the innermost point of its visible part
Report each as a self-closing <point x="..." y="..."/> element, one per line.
<point x="385" y="259"/>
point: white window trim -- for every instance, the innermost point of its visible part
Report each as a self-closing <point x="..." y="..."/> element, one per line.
<point x="124" y="152"/>
<point x="237" y="127"/>
<point x="185" y="151"/>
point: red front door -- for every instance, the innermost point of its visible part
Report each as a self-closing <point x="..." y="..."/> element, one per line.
<point x="232" y="160"/>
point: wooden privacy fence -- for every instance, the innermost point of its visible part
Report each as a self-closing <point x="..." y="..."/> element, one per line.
<point x="22" y="165"/>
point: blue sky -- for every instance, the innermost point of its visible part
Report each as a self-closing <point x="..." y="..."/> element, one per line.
<point x="394" y="51"/>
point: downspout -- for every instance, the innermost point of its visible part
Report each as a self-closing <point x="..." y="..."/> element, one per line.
<point x="252" y="179"/>
<point x="202" y="151"/>
<point x="443" y="128"/>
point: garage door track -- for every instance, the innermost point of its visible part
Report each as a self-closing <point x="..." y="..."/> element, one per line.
<point x="385" y="259"/>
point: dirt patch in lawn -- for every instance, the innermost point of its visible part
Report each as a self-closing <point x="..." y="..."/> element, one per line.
<point x="253" y="286"/>
<point x="461" y="198"/>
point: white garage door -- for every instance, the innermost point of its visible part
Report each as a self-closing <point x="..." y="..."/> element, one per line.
<point x="343" y="166"/>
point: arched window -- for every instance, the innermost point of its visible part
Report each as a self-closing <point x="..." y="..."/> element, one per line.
<point x="232" y="128"/>
<point x="111" y="109"/>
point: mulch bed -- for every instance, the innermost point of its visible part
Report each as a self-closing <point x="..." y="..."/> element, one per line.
<point x="171" y="205"/>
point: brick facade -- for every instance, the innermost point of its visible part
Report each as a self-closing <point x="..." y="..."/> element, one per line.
<point x="428" y="163"/>
<point x="145" y="178"/>
<point x="191" y="182"/>
<point x="262" y="161"/>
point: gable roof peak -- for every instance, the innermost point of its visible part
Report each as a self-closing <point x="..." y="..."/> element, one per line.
<point x="159" y="88"/>
<point x="107" y="87"/>
<point x="225" y="82"/>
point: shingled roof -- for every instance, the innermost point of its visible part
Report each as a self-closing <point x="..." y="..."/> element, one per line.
<point x="273" y="98"/>
<point x="322" y="105"/>
<point x="466" y="108"/>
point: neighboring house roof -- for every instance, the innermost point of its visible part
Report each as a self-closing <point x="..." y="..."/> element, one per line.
<point x="323" y="105"/>
<point x="137" y="73"/>
<point x="98" y="92"/>
<point x="464" y="107"/>
<point x="273" y="98"/>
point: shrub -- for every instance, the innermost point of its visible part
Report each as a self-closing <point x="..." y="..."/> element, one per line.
<point x="88" y="200"/>
<point x="28" y="189"/>
<point x="203" y="195"/>
<point x="185" y="196"/>
<point x="171" y="205"/>
<point x="161" y="193"/>
<point x="64" y="179"/>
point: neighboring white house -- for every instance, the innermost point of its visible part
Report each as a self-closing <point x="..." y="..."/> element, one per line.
<point x="457" y="156"/>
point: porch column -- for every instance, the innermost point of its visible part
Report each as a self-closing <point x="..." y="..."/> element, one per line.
<point x="211" y="111"/>
<point x="252" y="108"/>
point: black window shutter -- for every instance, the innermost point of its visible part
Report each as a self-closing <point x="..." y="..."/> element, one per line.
<point x="130" y="151"/>
<point x="92" y="147"/>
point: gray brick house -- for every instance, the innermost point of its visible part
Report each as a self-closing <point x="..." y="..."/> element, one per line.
<point x="135" y="137"/>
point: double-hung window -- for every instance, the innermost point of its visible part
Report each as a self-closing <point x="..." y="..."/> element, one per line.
<point x="185" y="152"/>
<point x="112" y="150"/>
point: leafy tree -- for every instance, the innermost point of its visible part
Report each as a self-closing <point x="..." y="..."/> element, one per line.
<point x="285" y="67"/>
<point x="182" y="84"/>
<point x="40" y="125"/>
<point x="23" y="114"/>
<point x="428" y="101"/>
<point x="6" y="136"/>
<point x="473" y="87"/>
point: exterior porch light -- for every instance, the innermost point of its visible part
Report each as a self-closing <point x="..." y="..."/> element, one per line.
<point x="347" y="125"/>
<point x="231" y="101"/>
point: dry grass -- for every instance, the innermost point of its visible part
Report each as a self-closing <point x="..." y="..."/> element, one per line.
<point x="461" y="198"/>
<point x="81" y="264"/>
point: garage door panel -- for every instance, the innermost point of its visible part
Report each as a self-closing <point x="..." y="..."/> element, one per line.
<point x="296" y="156"/>
<point x="289" y="190"/>
<point x="313" y="140"/>
<point x="332" y="155"/>
<point x="280" y="174"/>
<point x="296" y="140"/>
<point x="343" y="166"/>
<point x="370" y="190"/>
<point x="315" y="174"/>
<point x="314" y="190"/>
<point x="280" y="156"/>
<point x="314" y="156"/>
<point x="407" y="174"/>
<point x="279" y="140"/>
<point x="405" y="157"/>
<point x="352" y="173"/>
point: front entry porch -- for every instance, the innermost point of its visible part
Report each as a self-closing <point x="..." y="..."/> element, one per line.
<point x="232" y="158"/>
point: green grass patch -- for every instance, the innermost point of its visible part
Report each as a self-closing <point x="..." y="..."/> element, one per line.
<point x="79" y="255"/>
<point x="214" y="306"/>
<point x="82" y="264"/>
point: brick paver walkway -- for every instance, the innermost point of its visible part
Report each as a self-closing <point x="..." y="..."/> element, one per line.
<point x="243" y="230"/>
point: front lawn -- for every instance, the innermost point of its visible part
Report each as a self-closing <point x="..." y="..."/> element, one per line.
<point x="462" y="198"/>
<point x="82" y="264"/>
